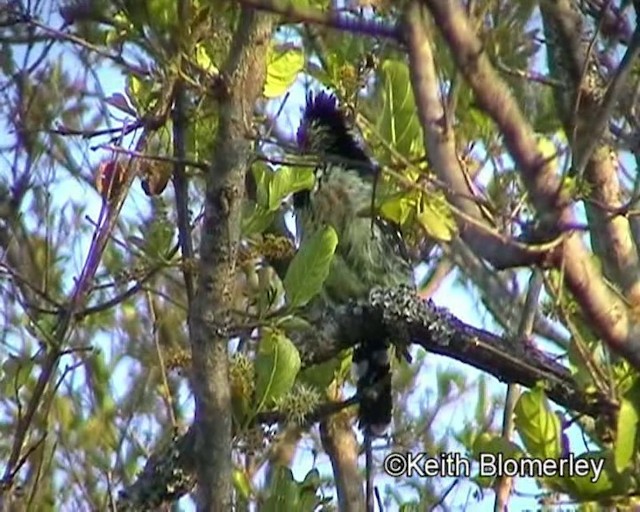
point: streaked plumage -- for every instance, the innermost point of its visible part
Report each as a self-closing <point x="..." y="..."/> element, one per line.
<point x="366" y="255"/>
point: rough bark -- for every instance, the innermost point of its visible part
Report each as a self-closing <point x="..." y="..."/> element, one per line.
<point x="241" y="84"/>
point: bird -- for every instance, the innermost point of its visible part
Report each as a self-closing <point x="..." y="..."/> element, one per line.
<point x="368" y="253"/>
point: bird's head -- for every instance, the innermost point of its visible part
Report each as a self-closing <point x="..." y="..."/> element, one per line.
<point x="324" y="131"/>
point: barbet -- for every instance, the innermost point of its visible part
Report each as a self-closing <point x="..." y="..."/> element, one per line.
<point x="368" y="254"/>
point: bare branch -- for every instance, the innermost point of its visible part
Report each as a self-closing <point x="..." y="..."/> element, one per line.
<point x="339" y="441"/>
<point x="590" y="139"/>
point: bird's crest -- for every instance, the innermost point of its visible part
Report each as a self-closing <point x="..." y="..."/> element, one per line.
<point x="324" y="130"/>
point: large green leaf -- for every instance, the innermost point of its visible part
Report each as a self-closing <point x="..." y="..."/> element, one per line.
<point x="262" y="176"/>
<point x="283" y="67"/>
<point x="400" y="207"/>
<point x="273" y="186"/>
<point x="538" y="426"/>
<point x="627" y="429"/>
<point x="288" y="180"/>
<point x="283" y="492"/>
<point x="310" y="267"/>
<point x="308" y="490"/>
<point x="398" y="123"/>
<point x="255" y="219"/>
<point x="277" y="365"/>
<point x="242" y="484"/>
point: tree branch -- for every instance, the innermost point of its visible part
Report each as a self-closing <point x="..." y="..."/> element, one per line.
<point x="585" y="120"/>
<point x="296" y="14"/>
<point x="242" y="81"/>
<point x="609" y="314"/>
<point x="441" y="153"/>
<point x="417" y="321"/>
<point x="505" y="305"/>
<point x="180" y="180"/>
<point x="341" y="445"/>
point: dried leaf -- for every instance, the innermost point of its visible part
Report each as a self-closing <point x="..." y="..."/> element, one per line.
<point x="109" y="179"/>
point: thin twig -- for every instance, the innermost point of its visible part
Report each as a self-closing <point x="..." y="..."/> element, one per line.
<point x="163" y="369"/>
<point x="525" y="330"/>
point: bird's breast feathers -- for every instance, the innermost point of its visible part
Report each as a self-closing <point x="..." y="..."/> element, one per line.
<point x="364" y="257"/>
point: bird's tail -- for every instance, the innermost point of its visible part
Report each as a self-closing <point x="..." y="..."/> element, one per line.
<point x="373" y="368"/>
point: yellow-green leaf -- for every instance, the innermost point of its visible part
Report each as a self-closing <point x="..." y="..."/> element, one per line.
<point x="283" y="67"/>
<point x="588" y="486"/>
<point x="241" y="483"/>
<point x="538" y="426"/>
<point x="435" y="217"/>
<point x="203" y="60"/>
<point x="627" y="429"/>
<point x="398" y="122"/>
<point x="548" y="150"/>
<point x="398" y="208"/>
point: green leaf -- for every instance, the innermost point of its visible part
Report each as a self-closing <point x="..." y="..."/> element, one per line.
<point x="627" y="429"/>
<point x="277" y="365"/>
<point x="409" y="507"/>
<point x="538" y="426"/>
<point x="288" y="180"/>
<point x="435" y="217"/>
<point x="398" y="123"/>
<point x="449" y="381"/>
<point x="241" y="483"/>
<point x="283" y="492"/>
<point x="308" y="490"/>
<point x="262" y="176"/>
<point x="548" y="150"/>
<point x="588" y="487"/>
<point x="256" y="219"/>
<point x="16" y="372"/>
<point x="283" y="67"/>
<point x="488" y="443"/>
<point x="312" y="479"/>
<point x="310" y="267"/>
<point x="163" y="14"/>
<point x="399" y="207"/>
<point x="141" y="93"/>
<point x="204" y="60"/>
<point x="158" y="238"/>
